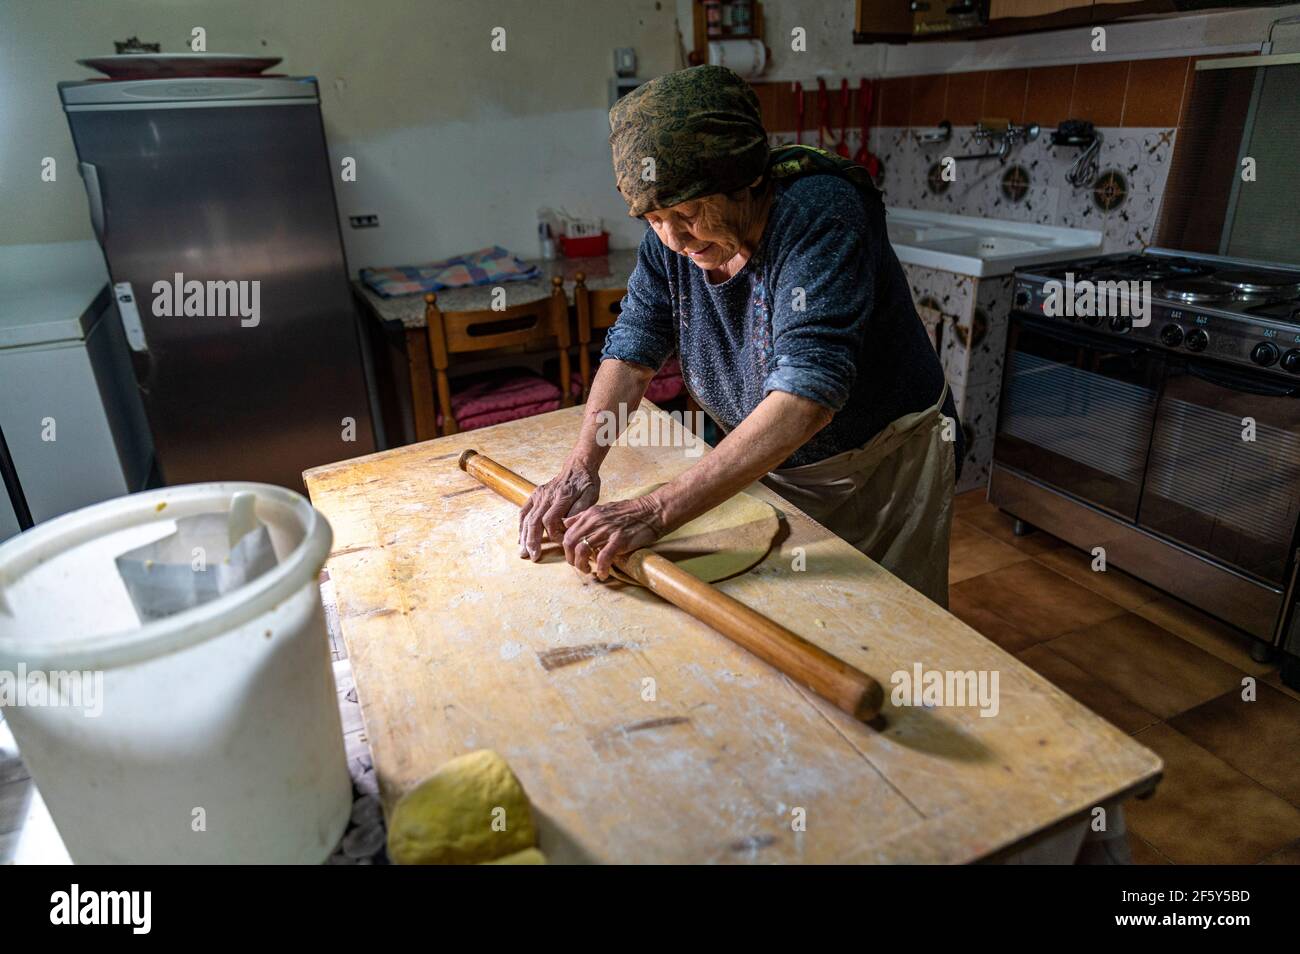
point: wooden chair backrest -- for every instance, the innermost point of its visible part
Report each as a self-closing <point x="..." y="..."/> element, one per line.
<point x="533" y="324"/>
<point x="597" y="309"/>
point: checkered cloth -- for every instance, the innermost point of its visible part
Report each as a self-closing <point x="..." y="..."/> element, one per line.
<point x="487" y="266"/>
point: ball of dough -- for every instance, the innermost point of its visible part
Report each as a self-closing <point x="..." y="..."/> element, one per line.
<point x="529" y="856"/>
<point x="471" y="810"/>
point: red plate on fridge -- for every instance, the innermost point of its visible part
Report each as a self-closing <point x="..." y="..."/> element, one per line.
<point x="167" y="65"/>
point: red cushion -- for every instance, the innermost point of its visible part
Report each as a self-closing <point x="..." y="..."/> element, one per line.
<point x="498" y="396"/>
<point x="664" y="386"/>
<point x="510" y="414"/>
<point x="667" y="384"/>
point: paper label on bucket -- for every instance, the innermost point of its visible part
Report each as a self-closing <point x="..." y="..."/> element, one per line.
<point x="194" y="565"/>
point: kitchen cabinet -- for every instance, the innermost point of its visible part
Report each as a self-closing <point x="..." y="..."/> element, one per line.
<point x="904" y="21"/>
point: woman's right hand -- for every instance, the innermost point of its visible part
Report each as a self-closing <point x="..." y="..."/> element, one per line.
<point x="567" y="494"/>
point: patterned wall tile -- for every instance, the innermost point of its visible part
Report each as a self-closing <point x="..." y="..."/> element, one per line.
<point x="1054" y="161"/>
<point x="1076" y="210"/>
<point x="1132" y="226"/>
<point x="972" y="319"/>
<point x="1134" y="161"/>
<point x="952" y="296"/>
<point x="901" y="173"/>
<point x="1142" y="155"/>
<point x="993" y="300"/>
<point x="1038" y="205"/>
<point x="982" y="388"/>
<point x="979" y="456"/>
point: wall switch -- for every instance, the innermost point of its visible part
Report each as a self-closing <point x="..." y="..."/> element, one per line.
<point x="363" y="221"/>
<point x="625" y="61"/>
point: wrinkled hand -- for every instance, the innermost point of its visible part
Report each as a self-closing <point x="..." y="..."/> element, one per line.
<point x="567" y="494"/>
<point x="607" y="530"/>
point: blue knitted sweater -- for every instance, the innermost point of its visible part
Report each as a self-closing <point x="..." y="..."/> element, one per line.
<point x="821" y="310"/>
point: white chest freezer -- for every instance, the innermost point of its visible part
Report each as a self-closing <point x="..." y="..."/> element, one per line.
<point x="69" y="411"/>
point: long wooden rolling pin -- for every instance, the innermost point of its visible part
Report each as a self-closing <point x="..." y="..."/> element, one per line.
<point x="832" y="678"/>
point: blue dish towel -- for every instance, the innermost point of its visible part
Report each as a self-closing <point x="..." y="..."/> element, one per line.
<point x="487" y="266"/>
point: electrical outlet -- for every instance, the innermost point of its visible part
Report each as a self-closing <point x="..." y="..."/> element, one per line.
<point x="363" y="221"/>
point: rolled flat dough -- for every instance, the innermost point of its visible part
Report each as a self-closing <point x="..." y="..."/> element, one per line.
<point x="729" y="539"/>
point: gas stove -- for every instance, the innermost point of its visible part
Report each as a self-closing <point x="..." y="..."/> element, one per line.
<point x="1239" y="312"/>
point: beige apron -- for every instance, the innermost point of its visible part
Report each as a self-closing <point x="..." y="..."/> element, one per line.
<point x="890" y="498"/>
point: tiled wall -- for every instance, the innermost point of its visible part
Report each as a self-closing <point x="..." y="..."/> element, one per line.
<point x="1129" y="94"/>
<point x="1137" y="106"/>
<point x="1122" y="202"/>
<point x="966" y="318"/>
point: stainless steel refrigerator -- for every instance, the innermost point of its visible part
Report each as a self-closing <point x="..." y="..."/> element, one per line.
<point x="213" y="200"/>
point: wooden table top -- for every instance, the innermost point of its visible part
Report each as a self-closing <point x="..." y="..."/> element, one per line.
<point x="600" y="272"/>
<point x="640" y="734"/>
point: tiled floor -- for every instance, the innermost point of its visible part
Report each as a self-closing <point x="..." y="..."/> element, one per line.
<point x="1180" y="682"/>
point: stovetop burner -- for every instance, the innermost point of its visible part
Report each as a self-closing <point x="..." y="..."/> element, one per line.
<point x="1131" y="268"/>
<point x="1257" y="283"/>
<point x="1224" y="310"/>
<point x="1284" y="311"/>
<point x="1241" y="288"/>
<point x="1196" y="290"/>
<point x="1154" y="269"/>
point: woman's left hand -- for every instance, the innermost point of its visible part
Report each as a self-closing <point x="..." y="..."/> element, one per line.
<point x="600" y="533"/>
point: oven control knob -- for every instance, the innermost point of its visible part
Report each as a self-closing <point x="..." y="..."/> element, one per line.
<point x="1291" y="361"/>
<point x="1024" y="297"/>
<point x="1198" y="339"/>
<point x="1093" y="321"/>
<point x="1121" y="324"/>
<point x="1172" y="335"/>
<point x="1264" y="353"/>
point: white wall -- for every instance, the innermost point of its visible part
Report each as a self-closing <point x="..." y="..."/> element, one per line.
<point x="456" y="146"/>
<point x="828" y="30"/>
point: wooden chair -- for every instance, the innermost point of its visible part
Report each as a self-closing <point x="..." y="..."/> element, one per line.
<point x="535" y="324"/>
<point x="598" y="309"/>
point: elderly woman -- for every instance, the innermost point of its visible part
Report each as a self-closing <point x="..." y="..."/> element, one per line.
<point x="771" y="277"/>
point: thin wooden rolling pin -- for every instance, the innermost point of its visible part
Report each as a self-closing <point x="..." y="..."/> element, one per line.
<point x="832" y="678"/>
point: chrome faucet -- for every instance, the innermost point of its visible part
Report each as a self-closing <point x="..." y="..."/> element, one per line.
<point x="1006" y="138"/>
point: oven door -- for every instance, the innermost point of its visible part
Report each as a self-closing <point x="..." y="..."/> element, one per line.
<point x="1077" y="412"/>
<point x="1224" y="472"/>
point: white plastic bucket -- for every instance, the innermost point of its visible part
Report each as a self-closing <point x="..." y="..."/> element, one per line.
<point x="219" y="737"/>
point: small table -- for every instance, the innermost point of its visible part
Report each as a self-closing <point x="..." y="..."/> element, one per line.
<point x="640" y="734"/>
<point x="401" y="323"/>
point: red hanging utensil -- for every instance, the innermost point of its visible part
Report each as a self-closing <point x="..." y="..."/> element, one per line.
<point x="864" y="156"/>
<point x="798" y="113"/>
<point x="823" y="107"/>
<point x="843" y="147"/>
<point x="864" y="110"/>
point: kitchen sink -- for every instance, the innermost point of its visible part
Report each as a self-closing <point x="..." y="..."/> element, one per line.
<point x="985" y="246"/>
<point x="981" y="247"/>
<point x="916" y="234"/>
